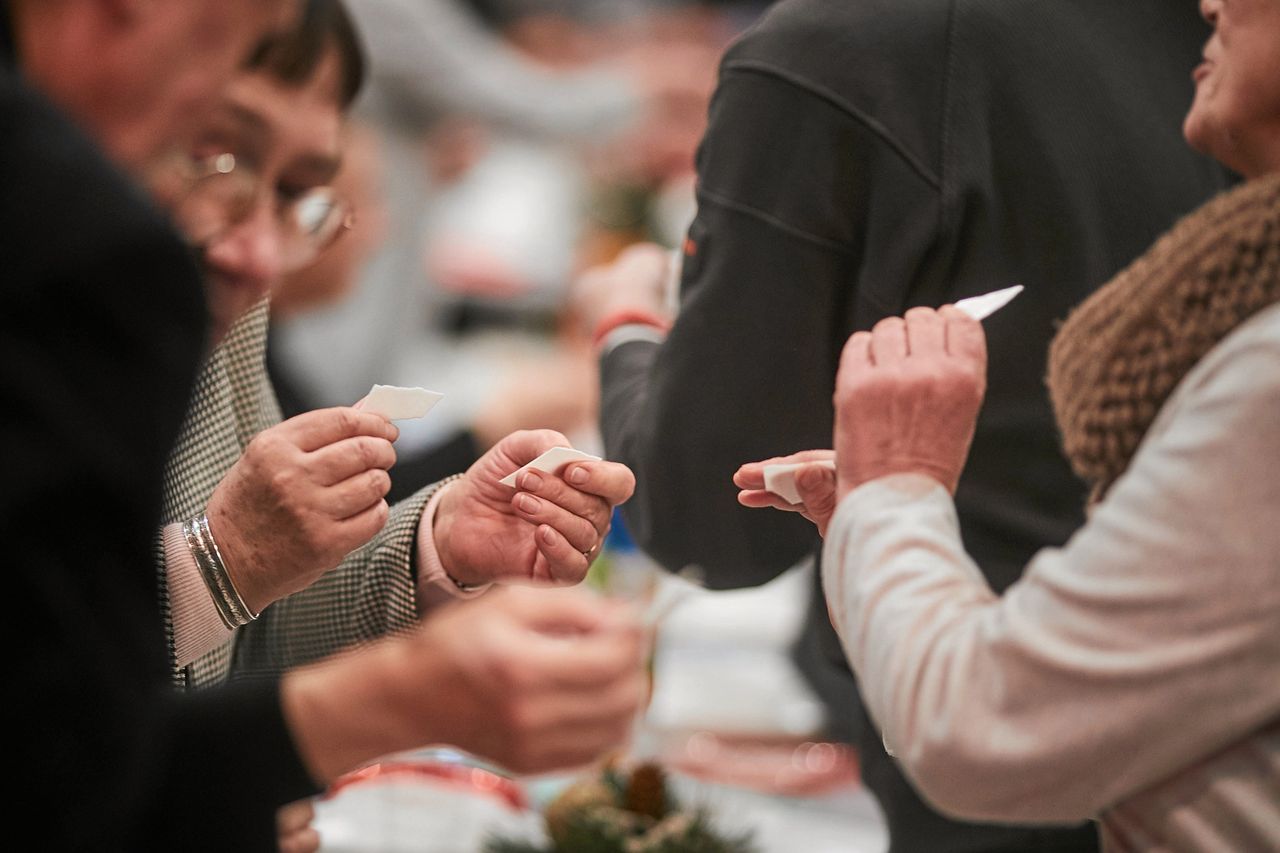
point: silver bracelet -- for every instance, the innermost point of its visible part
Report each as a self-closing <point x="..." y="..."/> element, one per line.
<point x="226" y="598"/>
<point x="463" y="587"/>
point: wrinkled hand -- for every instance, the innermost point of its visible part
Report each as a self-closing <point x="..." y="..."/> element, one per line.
<point x="294" y="832"/>
<point x="533" y="679"/>
<point x="540" y="679"/>
<point x="815" y="483"/>
<point x="547" y="530"/>
<point x="635" y="280"/>
<point x="907" y="397"/>
<point x="304" y="494"/>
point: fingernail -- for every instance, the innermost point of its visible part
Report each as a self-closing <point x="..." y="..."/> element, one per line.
<point x="530" y="481"/>
<point x="579" y="476"/>
<point x="528" y="504"/>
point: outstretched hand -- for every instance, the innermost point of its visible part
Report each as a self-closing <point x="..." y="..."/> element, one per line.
<point x="533" y="679"/>
<point x="548" y="529"/>
<point x="815" y="483"/>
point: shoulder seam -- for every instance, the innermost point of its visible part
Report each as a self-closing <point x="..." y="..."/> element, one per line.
<point x="825" y="94"/>
<point x="770" y="219"/>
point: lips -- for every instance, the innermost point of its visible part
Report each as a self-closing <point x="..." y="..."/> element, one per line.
<point x="1202" y="71"/>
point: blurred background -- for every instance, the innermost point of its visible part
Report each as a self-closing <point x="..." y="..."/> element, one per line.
<point x="500" y="148"/>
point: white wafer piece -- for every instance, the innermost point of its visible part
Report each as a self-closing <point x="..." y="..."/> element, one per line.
<point x="550" y="461"/>
<point x="981" y="307"/>
<point x="780" y="478"/>
<point x="396" y="403"/>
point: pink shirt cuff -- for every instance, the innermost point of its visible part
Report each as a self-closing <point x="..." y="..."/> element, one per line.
<point x="197" y="627"/>
<point x="435" y="587"/>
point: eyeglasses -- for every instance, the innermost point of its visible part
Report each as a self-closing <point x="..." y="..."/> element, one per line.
<point x="208" y="196"/>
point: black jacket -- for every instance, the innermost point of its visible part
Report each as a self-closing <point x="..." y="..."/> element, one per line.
<point x="102" y="326"/>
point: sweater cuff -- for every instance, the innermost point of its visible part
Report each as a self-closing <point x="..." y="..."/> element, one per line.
<point x="197" y="627"/>
<point x="435" y="587"/>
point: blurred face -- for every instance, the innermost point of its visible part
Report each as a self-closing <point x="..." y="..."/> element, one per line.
<point x="139" y="75"/>
<point x="332" y="276"/>
<point x="289" y="138"/>
<point x="1235" y="117"/>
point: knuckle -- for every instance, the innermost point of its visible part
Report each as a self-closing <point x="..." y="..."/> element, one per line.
<point x="282" y="482"/>
<point x="346" y="420"/>
<point x="888" y="324"/>
<point x="379" y="482"/>
<point x="367" y="453"/>
<point x="550" y="437"/>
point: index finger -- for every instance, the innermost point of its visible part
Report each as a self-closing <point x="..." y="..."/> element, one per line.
<point x="751" y="474"/>
<point x="611" y="481"/>
<point x="965" y="335"/>
<point x="322" y="427"/>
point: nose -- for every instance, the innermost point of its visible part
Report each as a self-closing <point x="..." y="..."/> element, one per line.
<point x="1209" y="10"/>
<point x="250" y="252"/>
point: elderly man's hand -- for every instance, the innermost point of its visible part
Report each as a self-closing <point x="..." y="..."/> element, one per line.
<point x="304" y="494"/>
<point x="907" y="397"/>
<point x="547" y="530"/>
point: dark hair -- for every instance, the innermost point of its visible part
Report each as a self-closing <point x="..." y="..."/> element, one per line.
<point x="293" y="57"/>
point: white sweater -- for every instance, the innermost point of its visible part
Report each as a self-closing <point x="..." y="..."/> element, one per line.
<point x="1132" y="675"/>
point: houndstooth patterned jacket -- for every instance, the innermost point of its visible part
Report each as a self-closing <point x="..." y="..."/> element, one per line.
<point x="370" y="594"/>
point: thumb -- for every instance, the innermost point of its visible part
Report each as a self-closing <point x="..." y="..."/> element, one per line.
<point x="817" y="488"/>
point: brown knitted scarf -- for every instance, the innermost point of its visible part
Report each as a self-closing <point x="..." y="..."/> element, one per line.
<point x="1120" y="354"/>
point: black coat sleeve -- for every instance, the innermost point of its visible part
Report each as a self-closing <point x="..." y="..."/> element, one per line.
<point x="782" y="261"/>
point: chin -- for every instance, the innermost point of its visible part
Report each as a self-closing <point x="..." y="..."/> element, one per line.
<point x="1197" y="130"/>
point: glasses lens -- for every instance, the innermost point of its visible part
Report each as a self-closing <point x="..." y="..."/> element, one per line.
<point x="222" y="197"/>
<point x="312" y="223"/>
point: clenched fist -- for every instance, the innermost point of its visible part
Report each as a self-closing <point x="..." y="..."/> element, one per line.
<point x="907" y="397"/>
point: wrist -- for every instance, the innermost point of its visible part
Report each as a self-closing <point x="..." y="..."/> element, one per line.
<point x="349" y="710"/>
<point x="442" y="534"/>
<point x="946" y="478"/>
<point x="628" y="317"/>
<point x="231" y="606"/>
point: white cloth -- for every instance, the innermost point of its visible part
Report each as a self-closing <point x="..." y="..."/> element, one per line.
<point x="1132" y="675"/>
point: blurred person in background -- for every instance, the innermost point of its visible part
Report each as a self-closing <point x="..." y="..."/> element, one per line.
<point x="103" y="324"/>
<point x="445" y="87"/>
<point x="1131" y="676"/>
<point x="863" y="158"/>
<point x="556" y="391"/>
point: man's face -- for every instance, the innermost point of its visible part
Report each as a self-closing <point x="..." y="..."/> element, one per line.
<point x="1235" y="117"/>
<point x="290" y="138"/>
<point x="167" y="68"/>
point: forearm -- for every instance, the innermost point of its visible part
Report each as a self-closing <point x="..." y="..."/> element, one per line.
<point x="718" y="393"/>
<point x="1112" y="664"/>
<point x="341" y="712"/>
<point x="373" y="592"/>
<point x="434" y="57"/>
